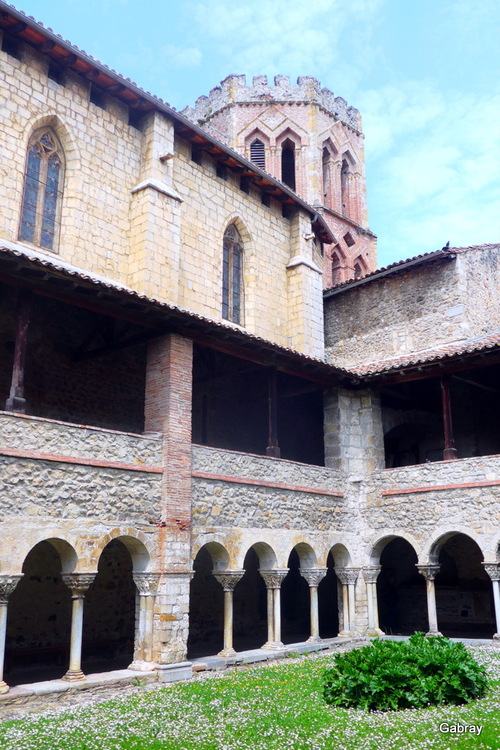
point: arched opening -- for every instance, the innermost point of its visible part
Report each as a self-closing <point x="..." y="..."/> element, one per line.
<point x="463" y="589"/>
<point x="110" y="612"/>
<point x="39" y="617"/>
<point x="402" y="603"/>
<point x="250" y="602"/>
<point x="328" y="601"/>
<point x="232" y="275"/>
<point x="258" y="153"/>
<point x="344" y="186"/>
<point x="288" y="163"/>
<point x="206" y="608"/>
<point x="336" y="269"/>
<point x="295" y="603"/>
<point x="43" y="187"/>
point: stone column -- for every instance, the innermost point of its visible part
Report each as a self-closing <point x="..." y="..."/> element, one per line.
<point x="493" y="570"/>
<point x="147" y="586"/>
<point x="313" y="577"/>
<point x="348" y="578"/>
<point x="370" y="575"/>
<point x="78" y="584"/>
<point x="7" y="585"/>
<point x="273" y="580"/>
<point x="430" y="572"/>
<point x="228" y="580"/>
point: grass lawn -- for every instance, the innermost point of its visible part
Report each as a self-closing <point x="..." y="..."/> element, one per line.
<point x="261" y="708"/>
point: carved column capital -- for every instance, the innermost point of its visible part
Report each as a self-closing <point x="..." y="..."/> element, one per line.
<point x="274" y="578"/>
<point x="429" y="572"/>
<point x="371" y="573"/>
<point x="147" y="583"/>
<point x="78" y="583"/>
<point x="348" y="575"/>
<point x="229" y="578"/>
<point x="493" y="570"/>
<point x="314" y="576"/>
<point x="7" y="585"/>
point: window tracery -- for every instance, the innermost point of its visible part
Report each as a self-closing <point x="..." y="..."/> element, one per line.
<point x="42" y="192"/>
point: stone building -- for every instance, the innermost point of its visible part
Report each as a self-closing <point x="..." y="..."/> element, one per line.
<point x="203" y="445"/>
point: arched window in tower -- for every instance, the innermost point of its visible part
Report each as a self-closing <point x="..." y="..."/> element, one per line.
<point x="336" y="269"/>
<point x="344" y="186"/>
<point x="359" y="267"/>
<point x="288" y="163"/>
<point x="327" y="189"/>
<point x="258" y="153"/>
<point x="43" y="182"/>
<point x="232" y="275"/>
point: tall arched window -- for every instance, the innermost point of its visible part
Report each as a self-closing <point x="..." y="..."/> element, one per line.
<point x="43" y="182"/>
<point x="343" y="184"/>
<point x="336" y="269"/>
<point x="288" y="163"/>
<point x="232" y="273"/>
<point x="258" y="153"/>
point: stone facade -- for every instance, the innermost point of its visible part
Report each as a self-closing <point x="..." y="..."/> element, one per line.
<point x="116" y="352"/>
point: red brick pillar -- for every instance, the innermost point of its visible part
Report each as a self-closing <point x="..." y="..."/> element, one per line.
<point x="168" y="410"/>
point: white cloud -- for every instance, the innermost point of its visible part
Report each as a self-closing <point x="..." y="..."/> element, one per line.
<point x="437" y="158"/>
<point x="281" y="35"/>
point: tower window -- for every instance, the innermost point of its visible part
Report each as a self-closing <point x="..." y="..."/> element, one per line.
<point x="42" y="192"/>
<point x="343" y="185"/>
<point x="348" y="239"/>
<point x="288" y="163"/>
<point x="258" y="153"/>
<point x="232" y="272"/>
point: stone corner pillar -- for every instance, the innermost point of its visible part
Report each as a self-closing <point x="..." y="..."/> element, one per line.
<point x="370" y="575"/>
<point x="147" y="587"/>
<point x="78" y="583"/>
<point x="273" y="580"/>
<point x="313" y="577"/>
<point x="429" y="572"/>
<point x="493" y="570"/>
<point x="228" y="580"/>
<point x="7" y="585"/>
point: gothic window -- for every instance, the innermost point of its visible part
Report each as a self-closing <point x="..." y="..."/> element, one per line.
<point x="42" y="193"/>
<point x="258" y="153"/>
<point x="336" y="269"/>
<point x="232" y="274"/>
<point x="344" y="186"/>
<point x="288" y="163"/>
<point x="326" y="177"/>
<point x="359" y="267"/>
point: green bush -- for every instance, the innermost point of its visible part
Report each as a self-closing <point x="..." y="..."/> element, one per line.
<point x="390" y="675"/>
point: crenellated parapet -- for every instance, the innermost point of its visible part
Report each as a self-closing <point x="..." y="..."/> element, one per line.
<point x="308" y="90"/>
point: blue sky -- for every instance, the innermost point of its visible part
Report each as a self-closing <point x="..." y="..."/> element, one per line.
<point x="423" y="73"/>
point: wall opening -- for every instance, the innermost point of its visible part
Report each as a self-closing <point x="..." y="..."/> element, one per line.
<point x="328" y="601"/>
<point x="78" y="368"/>
<point x="206" y="609"/>
<point x="110" y="613"/>
<point x="39" y="620"/>
<point x="402" y="602"/>
<point x="295" y="604"/>
<point x="463" y="590"/>
<point x="288" y="163"/>
<point x="250" y="606"/>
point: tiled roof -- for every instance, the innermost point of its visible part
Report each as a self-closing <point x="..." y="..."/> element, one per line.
<point x="428" y="356"/>
<point x="401" y="265"/>
<point x="194" y="323"/>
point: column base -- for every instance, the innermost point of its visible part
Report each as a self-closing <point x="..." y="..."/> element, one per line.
<point x="273" y="646"/>
<point x="314" y="639"/>
<point x="496" y="637"/>
<point x="139" y="665"/>
<point x="73" y="675"/>
<point x="374" y="632"/>
<point x="4" y="688"/>
<point x="227" y="652"/>
<point x="432" y="633"/>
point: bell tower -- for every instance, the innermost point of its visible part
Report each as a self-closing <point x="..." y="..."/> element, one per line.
<point x="310" y="140"/>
